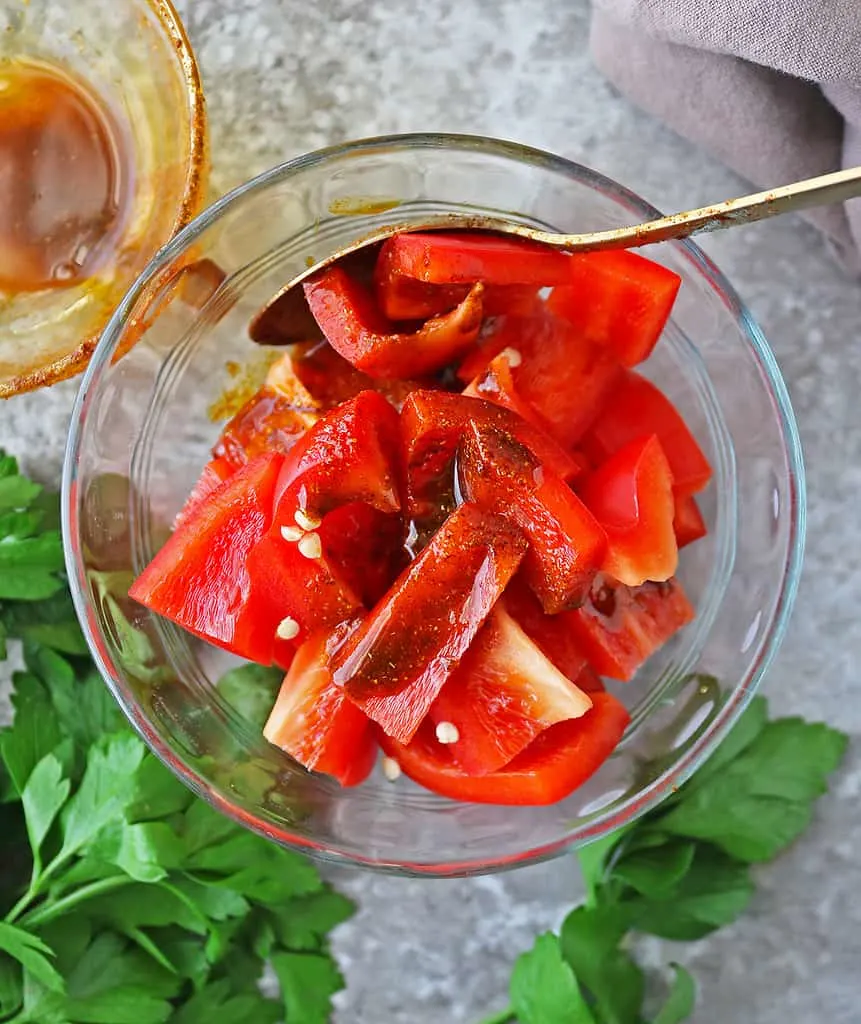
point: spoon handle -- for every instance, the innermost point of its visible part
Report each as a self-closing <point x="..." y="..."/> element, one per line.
<point x="820" y="191"/>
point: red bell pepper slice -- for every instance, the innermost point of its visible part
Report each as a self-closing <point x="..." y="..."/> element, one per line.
<point x="619" y="627"/>
<point x="432" y="424"/>
<point x="565" y="378"/>
<point x="354" y="327"/>
<point x="405" y="298"/>
<point x="315" y="722"/>
<point x="631" y="496"/>
<point x="566" y="544"/>
<point x="397" y="661"/>
<point x="223" y="578"/>
<point x="351" y="454"/>
<point x="496" y="384"/>
<point x="365" y="547"/>
<point x="268" y="422"/>
<point x="215" y="472"/>
<point x="504" y="694"/>
<point x="688" y="521"/>
<point x="311" y="592"/>
<point x="637" y="408"/>
<point x="328" y="379"/>
<point x="617" y="299"/>
<point x="499" y="333"/>
<point x="562" y="758"/>
<point x="458" y="258"/>
<point x="549" y="632"/>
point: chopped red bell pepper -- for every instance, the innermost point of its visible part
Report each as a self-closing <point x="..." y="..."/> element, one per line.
<point x="617" y="299"/>
<point x="365" y="547"/>
<point x="215" y="472"/>
<point x="562" y="758"/>
<point x="457" y="258"/>
<point x="500" y="333"/>
<point x="328" y="379"/>
<point x="432" y="424"/>
<point x="354" y="327"/>
<point x="565" y="378"/>
<point x="405" y="298"/>
<point x="310" y="592"/>
<point x="268" y="422"/>
<point x="549" y="632"/>
<point x="221" y="576"/>
<point x="631" y="496"/>
<point x="315" y="722"/>
<point x="504" y="693"/>
<point x="351" y="454"/>
<point x="496" y="384"/>
<point x="619" y="627"/>
<point x="637" y="408"/>
<point x="688" y="521"/>
<point x="397" y="661"/>
<point x="566" y="544"/>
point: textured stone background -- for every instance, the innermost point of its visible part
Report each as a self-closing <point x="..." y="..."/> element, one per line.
<point x="285" y="76"/>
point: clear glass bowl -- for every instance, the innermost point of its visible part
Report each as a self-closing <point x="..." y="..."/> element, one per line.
<point x="142" y="430"/>
<point x="135" y="57"/>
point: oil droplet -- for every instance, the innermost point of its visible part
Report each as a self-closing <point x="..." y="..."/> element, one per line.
<point x="65" y="178"/>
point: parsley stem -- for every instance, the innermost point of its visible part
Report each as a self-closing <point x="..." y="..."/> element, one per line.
<point x="22" y="903"/>
<point x="48" y="911"/>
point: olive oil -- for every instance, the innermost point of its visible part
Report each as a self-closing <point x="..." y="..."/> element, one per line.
<point x="65" y="179"/>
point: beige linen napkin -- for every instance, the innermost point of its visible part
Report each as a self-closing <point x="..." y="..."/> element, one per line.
<point x="770" y="87"/>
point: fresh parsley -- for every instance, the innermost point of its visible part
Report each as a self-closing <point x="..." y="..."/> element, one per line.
<point x="123" y="899"/>
<point x="679" y="872"/>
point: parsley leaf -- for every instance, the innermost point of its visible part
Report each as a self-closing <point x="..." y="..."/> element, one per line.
<point x="35" y="732"/>
<point x="32" y="953"/>
<point x="305" y="922"/>
<point x="25" y="585"/>
<point x="308" y="982"/>
<point x="84" y="707"/>
<point x="750" y="724"/>
<point x="32" y="553"/>
<point x="17" y="492"/>
<point x="654" y="870"/>
<point x="11" y="986"/>
<point x="681" y="1000"/>
<point x="713" y="892"/>
<point x="762" y="800"/>
<point x="543" y="987"/>
<point x="251" y="690"/>
<point x="51" y="623"/>
<point x="44" y="794"/>
<point x="218" y="1002"/>
<point x="158" y="793"/>
<point x="593" y="860"/>
<point x="104" y="791"/>
<point x="18" y="525"/>
<point x="589" y="940"/>
<point x="145" y="851"/>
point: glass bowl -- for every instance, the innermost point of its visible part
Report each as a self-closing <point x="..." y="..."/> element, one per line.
<point x="135" y="57"/>
<point x="142" y="429"/>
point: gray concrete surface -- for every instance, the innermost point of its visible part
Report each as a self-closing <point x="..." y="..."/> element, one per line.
<point x="285" y="76"/>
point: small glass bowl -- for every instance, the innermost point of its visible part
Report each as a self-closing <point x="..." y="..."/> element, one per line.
<point x="142" y="431"/>
<point x="136" y="58"/>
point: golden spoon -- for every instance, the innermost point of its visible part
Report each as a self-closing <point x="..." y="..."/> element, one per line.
<point x="826" y="188"/>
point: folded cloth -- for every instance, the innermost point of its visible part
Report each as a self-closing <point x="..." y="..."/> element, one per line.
<point x="770" y="87"/>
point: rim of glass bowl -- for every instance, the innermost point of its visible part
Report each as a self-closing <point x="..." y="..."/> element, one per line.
<point x="187" y="207"/>
<point x="743" y="690"/>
